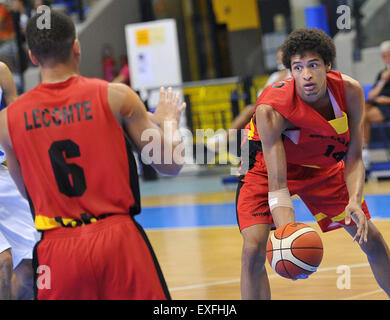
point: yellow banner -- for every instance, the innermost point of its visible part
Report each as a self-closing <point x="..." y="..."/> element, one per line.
<point x="237" y="14"/>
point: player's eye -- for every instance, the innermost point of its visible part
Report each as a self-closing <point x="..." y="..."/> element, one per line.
<point x="298" y="68"/>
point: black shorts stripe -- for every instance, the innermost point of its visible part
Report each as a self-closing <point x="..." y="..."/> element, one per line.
<point x="239" y="186"/>
<point x="156" y="264"/>
<point x="31" y="204"/>
<point x="134" y="179"/>
<point x="249" y="151"/>
<point x="35" y="265"/>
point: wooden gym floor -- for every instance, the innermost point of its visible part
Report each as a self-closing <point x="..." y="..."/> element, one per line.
<point x="191" y="224"/>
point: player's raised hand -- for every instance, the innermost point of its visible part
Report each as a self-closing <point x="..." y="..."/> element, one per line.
<point x="168" y="107"/>
<point x="355" y="212"/>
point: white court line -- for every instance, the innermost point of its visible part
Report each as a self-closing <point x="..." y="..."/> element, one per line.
<point x="217" y="283"/>
<point x="363" y="295"/>
<point x="191" y="228"/>
<point x="333" y="276"/>
<point x="204" y="285"/>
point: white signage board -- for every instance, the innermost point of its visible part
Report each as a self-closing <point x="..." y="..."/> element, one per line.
<point x="153" y="53"/>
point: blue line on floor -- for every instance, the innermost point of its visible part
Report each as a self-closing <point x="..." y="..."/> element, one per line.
<point x="208" y="215"/>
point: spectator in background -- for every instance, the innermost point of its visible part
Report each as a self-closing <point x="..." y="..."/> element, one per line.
<point x="38" y="3"/>
<point x="12" y="49"/>
<point x="6" y="24"/>
<point x="6" y="29"/>
<point x="378" y="103"/>
<point x="124" y="73"/>
<point x="21" y="7"/>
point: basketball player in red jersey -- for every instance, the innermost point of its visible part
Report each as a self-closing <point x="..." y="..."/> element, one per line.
<point x="305" y="138"/>
<point x="68" y="155"/>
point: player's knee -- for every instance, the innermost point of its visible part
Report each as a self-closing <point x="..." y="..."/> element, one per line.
<point x="253" y="254"/>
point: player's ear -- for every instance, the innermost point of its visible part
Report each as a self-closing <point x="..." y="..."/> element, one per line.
<point x="76" y="48"/>
<point x="33" y="59"/>
<point x="328" y="67"/>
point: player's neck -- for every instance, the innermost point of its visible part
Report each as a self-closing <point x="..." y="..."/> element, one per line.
<point x="59" y="72"/>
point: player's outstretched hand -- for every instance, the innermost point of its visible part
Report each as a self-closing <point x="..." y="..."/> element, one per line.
<point x="354" y="211"/>
<point x="168" y="107"/>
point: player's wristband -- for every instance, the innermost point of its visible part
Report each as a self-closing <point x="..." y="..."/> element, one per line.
<point x="279" y="198"/>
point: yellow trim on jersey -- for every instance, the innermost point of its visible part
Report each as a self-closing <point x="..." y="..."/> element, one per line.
<point x="46" y="223"/>
<point x="340" y="217"/>
<point x="251" y="131"/>
<point x="320" y="216"/>
<point x="340" y="124"/>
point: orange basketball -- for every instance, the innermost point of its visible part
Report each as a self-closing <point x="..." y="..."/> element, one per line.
<point x="294" y="251"/>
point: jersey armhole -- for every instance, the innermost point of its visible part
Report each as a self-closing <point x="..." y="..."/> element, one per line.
<point x="103" y="91"/>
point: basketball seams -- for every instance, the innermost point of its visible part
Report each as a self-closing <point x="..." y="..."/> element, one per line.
<point x="276" y="245"/>
<point x="292" y="252"/>
<point x="283" y="251"/>
<point x="292" y="237"/>
<point x="303" y="265"/>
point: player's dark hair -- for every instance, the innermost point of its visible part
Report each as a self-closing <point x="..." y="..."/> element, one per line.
<point x="308" y="40"/>
<point x="51" y="44"/>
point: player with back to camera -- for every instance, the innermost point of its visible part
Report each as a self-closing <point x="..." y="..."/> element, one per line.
<point x="68" y="153"/>
<point x="305" y="138"/>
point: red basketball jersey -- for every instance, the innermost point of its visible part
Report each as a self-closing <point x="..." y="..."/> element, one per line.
<point x="315" y="142"/>
<point x="73" y="154"/>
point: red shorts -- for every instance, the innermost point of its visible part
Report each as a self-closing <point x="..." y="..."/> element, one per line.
<point x="108" y="259"/>
<point x="324" y="192"/>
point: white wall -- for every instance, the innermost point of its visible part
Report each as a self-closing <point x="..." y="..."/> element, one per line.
<point x="365" y="70"/>
<point x="298" y="11"/>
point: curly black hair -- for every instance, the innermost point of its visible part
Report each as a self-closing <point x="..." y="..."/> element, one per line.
<point x="308" y="40"/>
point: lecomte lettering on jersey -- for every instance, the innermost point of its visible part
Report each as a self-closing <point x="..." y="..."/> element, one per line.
<point x="77" y="112"/>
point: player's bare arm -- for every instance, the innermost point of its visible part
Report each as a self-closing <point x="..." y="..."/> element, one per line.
<point x="354" y="167"/>
<point x="12" y="162"/>
<point x="10" y="95"/>
<point x="271" y="125"/>
<point x="7" y="84"/>
<point x="129" y="110"/>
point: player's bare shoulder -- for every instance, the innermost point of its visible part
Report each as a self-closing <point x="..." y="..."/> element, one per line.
<point x="354" y="97"/>
<point x="270" y="119"/>
<point x="353" y="89"/>
<point x="122" y="99"/>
